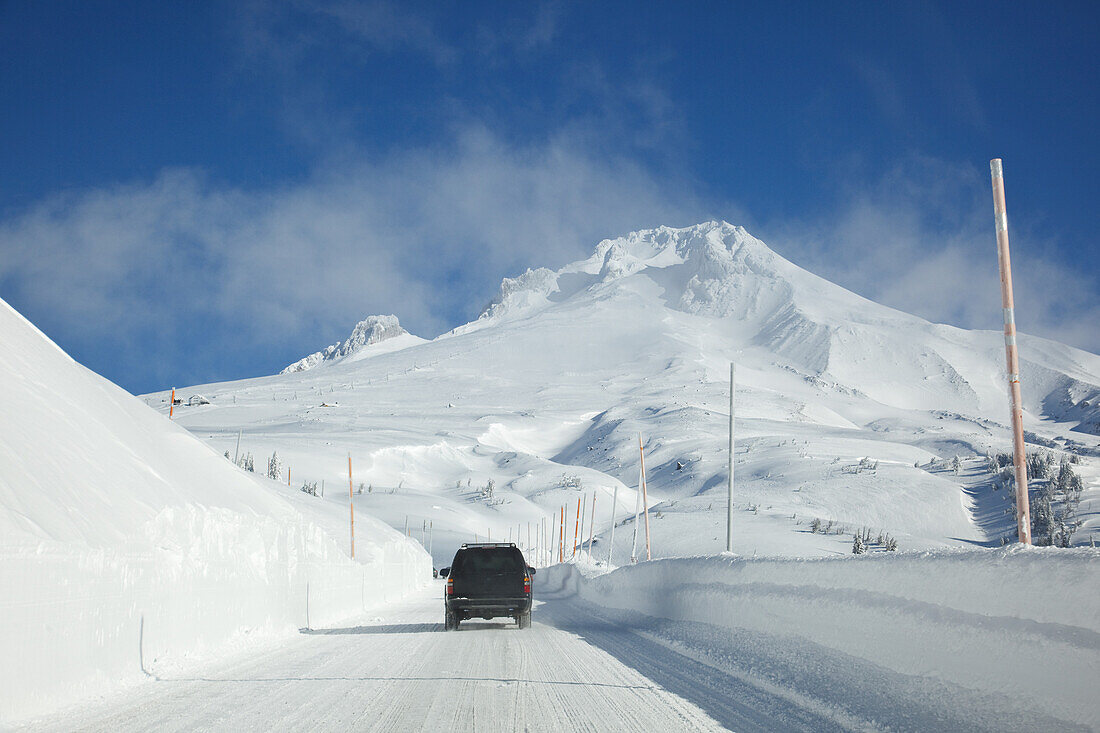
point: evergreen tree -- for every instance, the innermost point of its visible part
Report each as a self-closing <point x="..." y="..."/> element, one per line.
<point x="858" y="546"/>
<point x="275" y="467"/>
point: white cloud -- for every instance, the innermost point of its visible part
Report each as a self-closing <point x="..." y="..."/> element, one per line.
<point x="425" y="234"/>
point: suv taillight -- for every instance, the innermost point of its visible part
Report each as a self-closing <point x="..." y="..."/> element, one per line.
<point x="526" y="583"/>
<point x="450" y="586"/>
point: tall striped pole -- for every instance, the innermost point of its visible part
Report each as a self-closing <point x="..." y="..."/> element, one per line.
<point x="645" y="499"/>
<point x="1023" y="510"/>
<point x="172" y="404"/>
<point x="729" y="485"/>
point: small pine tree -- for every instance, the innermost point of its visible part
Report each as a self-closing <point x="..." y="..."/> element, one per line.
<point x="815" y="526"/>
<point x="956" y="465"/>
<point x="227" y="455"/>
<point x="275" y="467"/>
<point x="858" y="547"/>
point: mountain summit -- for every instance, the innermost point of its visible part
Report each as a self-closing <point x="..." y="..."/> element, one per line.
<point x="367" y="333"/>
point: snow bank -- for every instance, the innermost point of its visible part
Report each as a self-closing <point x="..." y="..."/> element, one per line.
<point x="1018" y="623"/>
<point x="127" y="545"/>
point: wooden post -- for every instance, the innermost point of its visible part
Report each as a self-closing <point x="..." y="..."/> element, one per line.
<point x="645" y="500"/>
<point x="729" y="485"/>
<point x="351" y="508"/>
<point x="1023" y="510"/>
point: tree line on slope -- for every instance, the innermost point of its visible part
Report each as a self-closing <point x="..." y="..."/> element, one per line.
<point x="1054" y="494"/>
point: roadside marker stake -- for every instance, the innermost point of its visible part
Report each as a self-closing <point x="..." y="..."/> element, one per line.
<point x="1012" y="358"/>
<point x="592" y="525"/>
<point x="576" y="525"/>
<point x="645" y="499"/>
<point x="611" y="542"/>
<point x="561" y="537"/>
<point x="351" y="508"/>
<point x="729" y="486"/>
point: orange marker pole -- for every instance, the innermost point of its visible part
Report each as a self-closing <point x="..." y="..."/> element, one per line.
<point x="561" y="536"/>
<point x="351" y="508"/>
<point x="645" y="500"/>
<point x="172" y="403"/>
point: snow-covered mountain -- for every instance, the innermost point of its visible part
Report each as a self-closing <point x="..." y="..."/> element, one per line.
<point x="842" y="405"/>
<point x="366" y="340"/>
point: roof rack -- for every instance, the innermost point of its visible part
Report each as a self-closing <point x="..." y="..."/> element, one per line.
<point x="488" y="544"/>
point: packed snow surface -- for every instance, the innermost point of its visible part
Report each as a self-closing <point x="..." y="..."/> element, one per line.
<point x="127" y="542"/>
<point x="973" y="640"/>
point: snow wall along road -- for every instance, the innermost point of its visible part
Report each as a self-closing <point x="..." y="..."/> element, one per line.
<point x="996" y="635"/>
<point x="129" y="547"/>
<point x="77" y="623"/>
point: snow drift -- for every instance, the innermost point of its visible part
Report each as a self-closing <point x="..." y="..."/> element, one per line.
<point x="126" y="543"/>
<point x="1012" y="629"/>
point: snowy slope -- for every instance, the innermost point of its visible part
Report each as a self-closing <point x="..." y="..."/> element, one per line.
<point x="124" y="539"/>
<point x="842" y="406"/>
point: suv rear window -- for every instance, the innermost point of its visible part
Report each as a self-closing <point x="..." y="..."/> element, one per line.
<point x="487" y="560"/>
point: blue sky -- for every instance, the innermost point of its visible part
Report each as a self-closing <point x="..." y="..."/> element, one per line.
<point x="206" y="191"/>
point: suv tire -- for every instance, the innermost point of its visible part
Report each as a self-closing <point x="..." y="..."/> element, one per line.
<point x="524" y="620"/>
<point x="450" y="622"/>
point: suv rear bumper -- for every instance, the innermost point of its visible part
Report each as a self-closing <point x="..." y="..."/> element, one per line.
<point x="488" y="607"/>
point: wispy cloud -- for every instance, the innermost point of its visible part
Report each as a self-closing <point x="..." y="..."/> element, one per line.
<point x="287" y="30"/>
<point x="921" y="239"/>
<point x="426" y="234"/>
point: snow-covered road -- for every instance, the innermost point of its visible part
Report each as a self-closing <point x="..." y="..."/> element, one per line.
<point x="571" y="671"/>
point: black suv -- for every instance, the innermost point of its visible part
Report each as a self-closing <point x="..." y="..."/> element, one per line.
<point x="488" y="580"/>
